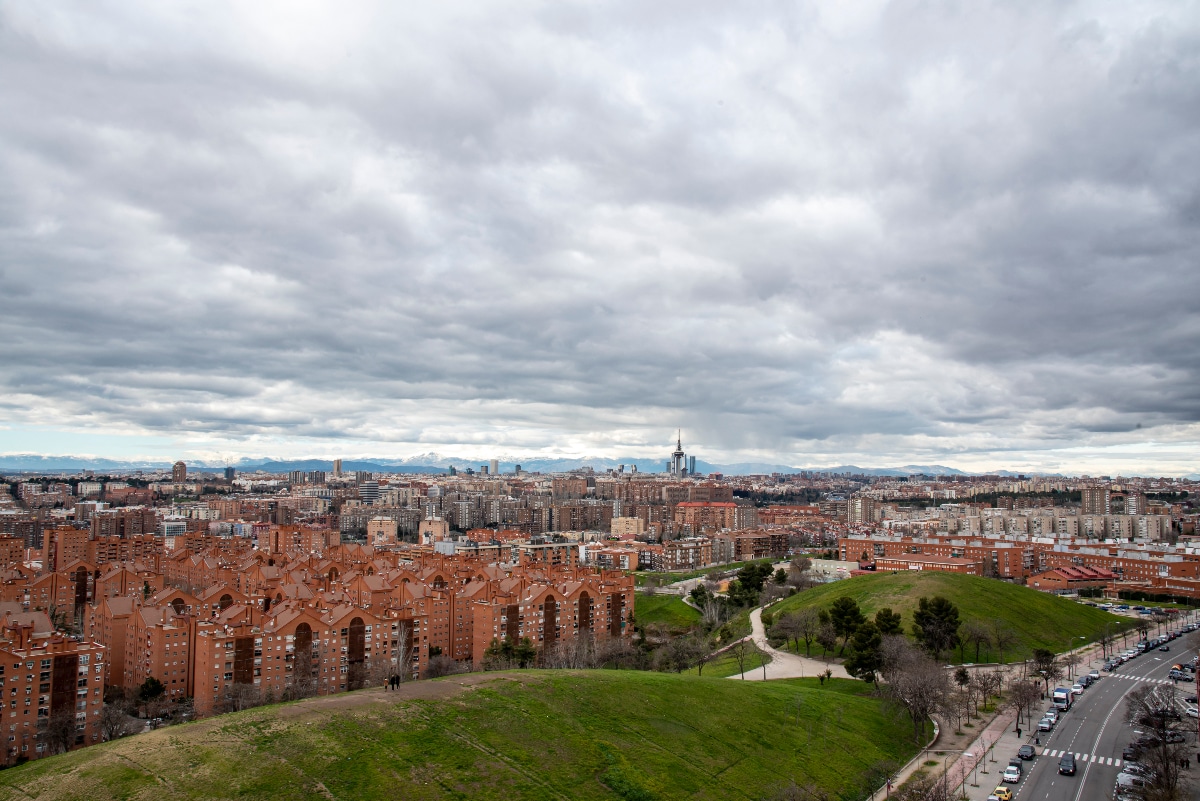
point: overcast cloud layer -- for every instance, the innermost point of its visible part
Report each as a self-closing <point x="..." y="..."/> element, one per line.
<point x="902" y="232"/>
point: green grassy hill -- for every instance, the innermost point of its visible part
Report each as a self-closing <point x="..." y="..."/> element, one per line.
<point x="669" y="610"/>
<point x="517" y="735"/>
<point x="1038" y="619"/>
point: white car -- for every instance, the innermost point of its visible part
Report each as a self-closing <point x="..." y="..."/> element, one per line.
<point x="1095" y="674"/>
<point x="1193" y="712"/>
<point x="1077" y="689"/>
<point x="1012" y="774"/>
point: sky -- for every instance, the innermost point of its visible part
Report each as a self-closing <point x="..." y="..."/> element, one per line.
<point x="807" y="233"/>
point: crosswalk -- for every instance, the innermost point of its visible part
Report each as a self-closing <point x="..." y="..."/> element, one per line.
<point x="1142" y="679"/>
<point x="1099" y="760"/>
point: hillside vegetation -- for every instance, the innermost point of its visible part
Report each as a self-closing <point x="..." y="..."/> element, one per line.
<point x="1038" y="619"/>
<point x="517" y="735"/>
<point x="669" y="610"/>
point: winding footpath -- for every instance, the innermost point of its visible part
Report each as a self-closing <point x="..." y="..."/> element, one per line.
<point x="784" y="665"/>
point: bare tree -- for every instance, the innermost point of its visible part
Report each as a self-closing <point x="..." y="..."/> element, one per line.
<point x="1153" y="710"/>
<point x="808" y="624"/>
<point x="60" y="731"/>
<point x="242" y="696"/>
<point x="1071" y="660"/>
<point x="1022" y="696"/>
<point x="442" y="665"/>
<point x="826" y="637"/>
<point x="916" y="682"/>
<point x="713" y="612"/>
<point x="116" y="722"/>
<point x="740" y="651"/>
<point x="1003" y="637"/>
<point x="977" y="634"/>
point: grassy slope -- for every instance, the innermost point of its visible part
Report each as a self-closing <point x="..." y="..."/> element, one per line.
<point x="666" y="609"/>
<point x="1040" y="620"/>
<point x="522" y="735"/>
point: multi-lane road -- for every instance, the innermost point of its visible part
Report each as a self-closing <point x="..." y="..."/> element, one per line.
<point x="1095" y="731"/>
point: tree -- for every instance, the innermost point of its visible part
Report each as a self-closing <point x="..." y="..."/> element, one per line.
<point x="808" y="623"/>
<point x="1046" y="665"/>
<point x="780" y="576"/>
<point x="889" y="622"/>
<point x="935" y="625"/>
<point x="1022" y="695"/>
<point x="60" y="731"/>
<point x="976" y="633"/>
<point x="149" y="694"/>
<point x="915" y="682"/>
<point x="242" y="696"/>
<point x="442" y="665"/>
<point x="739" y="651"/>
<point x="826" y="634"/>
<point x="866" y="653"/>
<point x="846" y="617"/>
<point x="1146" y="710"/>
<point x="116" y="722"/>
<point x="1003" y="637"/>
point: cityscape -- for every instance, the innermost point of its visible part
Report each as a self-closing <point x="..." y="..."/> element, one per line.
<point x="599" y="402"/>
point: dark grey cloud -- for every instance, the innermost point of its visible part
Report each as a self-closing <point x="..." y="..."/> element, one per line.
<point x="900" y="231"/>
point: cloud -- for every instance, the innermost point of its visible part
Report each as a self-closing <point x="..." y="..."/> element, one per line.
<point x="911" y="233"/>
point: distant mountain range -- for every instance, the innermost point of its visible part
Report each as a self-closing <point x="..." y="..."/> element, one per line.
<point x="436" y="463"/>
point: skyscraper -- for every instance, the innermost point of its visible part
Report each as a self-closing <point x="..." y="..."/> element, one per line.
<point x="179" y="472"/>
<point x="495" y="467"/>
<point x="337" y="468"/>
<point x="678" y="465"/>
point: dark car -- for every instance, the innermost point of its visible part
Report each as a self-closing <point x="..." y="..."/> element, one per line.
<point x="1132" y="751"/>
<point x="1165" y="648"/>
<point x="1191" y="699"/>
<point x="1026" y="752"/>
<point x="1066" y="765"/>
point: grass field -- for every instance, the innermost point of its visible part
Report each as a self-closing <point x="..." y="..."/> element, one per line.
<point x="520" y="735"/>
<point x="669" y="610"/>
<point x="1038" y="619"/>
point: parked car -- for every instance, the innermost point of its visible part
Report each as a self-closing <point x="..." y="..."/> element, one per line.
<point x="1002" y="793"/>
<point x="1026" y="752"/>
<point x="1131" y="751"/>
<point x="1094" y="674"/>
<point x="1193" y="712"/>
<point x="1051" y="713"/>
<point x="1077" y="689"/>
<point x="1045" y="724"/>
<point x="1012" y="774"/>
<point x="1066" y="765"/>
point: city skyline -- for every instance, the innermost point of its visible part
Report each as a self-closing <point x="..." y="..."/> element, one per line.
<point x="879" y="236"/>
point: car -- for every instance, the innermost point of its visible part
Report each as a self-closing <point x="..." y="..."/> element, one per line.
<point x="1193" y="712"/>
<point x="1002" y="793"/>
<point x="1131" y="751"/>
<point x="1191" y="699"/>
<point x="1051" y="713"/>
<point x="1026" y="752"/>
<point x="1139" y="608"/>
<point x="993" y="797"/>
<point x="1093" y="674"/>
<point x="1077" y="689"/>
<point x="1066" y="765"/>
<point x="1136" y="769"/>
<point x="1164" y="648"/>
<point x="1109" y="666"/>
<point x="1123" y="606"/>
<point x="1012" y="774"/>
<point x="1045" y="724"/>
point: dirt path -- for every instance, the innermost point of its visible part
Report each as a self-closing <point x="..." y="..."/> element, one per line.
<point x="785" y="665"/>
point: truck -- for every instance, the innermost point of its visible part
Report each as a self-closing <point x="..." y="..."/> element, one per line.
<point x="1062" y="698"/>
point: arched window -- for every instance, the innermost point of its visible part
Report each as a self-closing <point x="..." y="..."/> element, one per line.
<point x="225" y="602"/>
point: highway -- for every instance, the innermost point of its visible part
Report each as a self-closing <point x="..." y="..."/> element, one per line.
<point x="1095" y="730"/>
